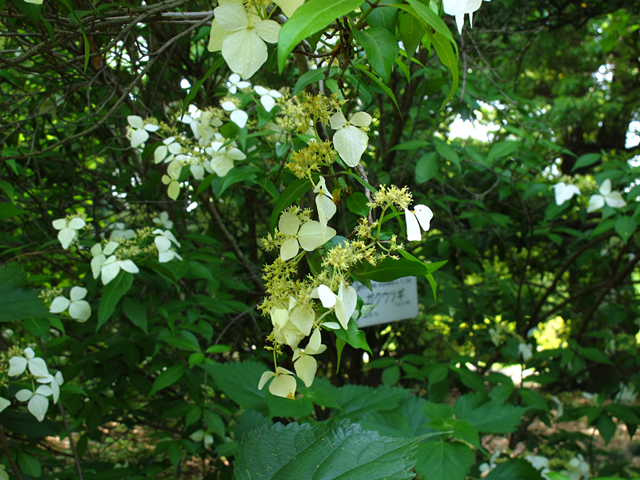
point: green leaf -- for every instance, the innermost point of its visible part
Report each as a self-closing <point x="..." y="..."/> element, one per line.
<point x="411" y="32"/>
<point x="29" y="465"/>
<point x="533" y="399"/>
<point x="31" y="11"/>
<point x="334" y="450"/>
<point x="38" y="326"/>
<point x="358" y="401"/>
<point x="410" y="145"/>
<point x="8" y="210"/>
<point x="427" y="167"/>
<point x="111" y="295"/>
<point x="502" y="149"/>
<point x="312" y="76"/>
<point x="384" y="17"/>
<point x="17" y="302"/>
<point x="389" y="269"/>
<point x="469" y="378"/>
<point x="606" y="426"/>
<point x="449" y="153"/>
<point x="311" y="17"/>
<point x="135" y="312"/>
<point x="534" y="189"/>
<point x="357" y="203"/>
<point x="625" y="226"/>
<point x="424" y="13"/>
<point x="381" y="48"/>
<point x="391" y="375"/>
<point x="193" y="91"/>
<point x="8" y="189"/>
<point x="386" y="89"/>
<point x="623" y="413"/>
<point x="292" y="193"/>
<point x="444" y="460"/>
<point x="463" y="430"/>
<point x="170" y="376"/>
<point x="586" y="160"/>
<point x="494" y="417"/>
<point x="236" y="175"/>
<point x="514" y="469"/>
<point x="218" y="349"/>
<point x="239" y="381"/>
<point x="353" y="336"/>
<point x="449" y="59"/>
<point x="183" y="343"/>
<point x="594" y="354"/>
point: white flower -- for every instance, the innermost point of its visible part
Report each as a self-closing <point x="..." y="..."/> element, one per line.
<point x="497" y="334"/>
<point x="164" y="220"/>
<point x="324" y="202"/>
<point x="626" y="395"/>
<point x="100" y="256"/>
<point x="241" y="36"/>
<point x="291" y="325"/>
<point x="458" y="8"/>
<point x="223" y="158"/>
<point x="592" y="397"/>
<point x="305" y="365"/>
<point x="68" y="230"/>
<point x="4" y="403"/>
<point x="38" y="401"/>
<point x="559" y="407"/>
<point x="613" y="199"/>
<point x="235" y="82"/>
<point x="54" y="382"/>
<point x="267" y="97"/>
<point x="112" y="266"/>
<point x="487" y="467"/>
<point x="202" y="436"/>
<point x="309" y="236"/>
<point x="537" y="461"/>
<point x="565" y="192"/>
<point x="239" y="117"/>
<point x="168" y="151"/>
<point x="525" y="349"/>
<point x="163" y="243"/>
<point x="18" y="364"/>
<point x="349" y="140"/>
<point x="577" y="468"/>
<point x="139" y="131"/>
<point x="283" y="384"/>
<point x="423" y="214"/>
<point x="79" y="309"/>
<point x="119" y="233"/>
<point x="344" y="302"/>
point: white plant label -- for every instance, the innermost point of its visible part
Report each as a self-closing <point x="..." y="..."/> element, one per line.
<point x="397" y="300"/>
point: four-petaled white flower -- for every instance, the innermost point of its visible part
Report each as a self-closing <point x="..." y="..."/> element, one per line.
<point x="55" y="382"/>
<point x="241" y="36"/>
<point x="202" y="436"/>
<point x="235" y="82"/>
<point x="79" y="309"/>
<point x="38" y="401"/>
<point x="349" y="140"/>
<point x="168" y="151"/>
<point x="120" y="233"/>
<point x="458" y="8"/>
<point x="222" y="158"/>
<point x="305" y="365"/>
<point x="163" y="220"/>
<point x="309" y="236"/>
<point x="267" y="97"/>
<point x="68" y="230"/>
<point x="344" y="302"/>
<point x="18" y="364"/>
<point x="112" y="266"/>
<point x="565" y="192"/>
<point x="292" y="324"/>
<point x="612" y="199"/>
<point x="237" y="116"/>
<point x="100" y="256"/>
<point x="324" y="202"/>
<point x="423" y="215"/>
<point x="577" y="468"/>
<point x="139" y="131"/>
<point x="163" y="244"/>
<point x="526" y="351"/>
<point x="283" y="384"/>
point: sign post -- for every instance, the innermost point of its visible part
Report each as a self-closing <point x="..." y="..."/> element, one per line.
<point x="397" y="300"/>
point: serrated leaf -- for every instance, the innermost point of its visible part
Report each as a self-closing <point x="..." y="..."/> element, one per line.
<point x="167" y="378"/>
<point x="335" y="450"/>
<point x="444" y="460"/>
<point x="358" y="401"/>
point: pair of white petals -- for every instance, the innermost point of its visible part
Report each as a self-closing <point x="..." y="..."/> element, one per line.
<point x="305" y="365"/>
<point x="79" y="309"/>
<point x="164" y="220"/>
<point x="68" y="230"/>
<point x="612" y="199"/>
<point x="38" y="401"/>
<point x="223" y="158"/>
<point x="18" y="364"/>
<point x="344" y="303"/>
<point x="235" y="82"/>
<point x="324" y="203"/>
<point x="163" y="242"/>
<point x="282" y="385"/>
<point x="458" y="8"/>
<point x="350" y="141"/>
<point x="267" y="97"/>
<point x="140" y="131"/>
<point x="237" y="116"/>
<point x="564" y="192"/>
<point x="109" y="266"/>
<point x="420" y="219"/>
<point x="309" y="236"/>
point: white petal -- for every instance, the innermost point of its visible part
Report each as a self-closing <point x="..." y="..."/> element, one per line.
<point x="44" y="390"/>
<point x="235" y="154"/>
<point x="275" y="94"/>
<point x="135" y="121"/>
<point x="77" y="223"/>
<point x="231" y="17"/>
<point x="175" y="149"/>
<point x="460" y="22"/>
<point x="279" y="317"/>
<point x="361" y="119"/>
<point x="24" y="395"/>
<point x="327" y="297"/>
<point x="267" y="102"/>
<point x="4" y="403"/>
<point x="268" y="30"/>
<point x="59" y="304"/>
<point x="67" y="236"/>
<point x="347" y="305"/>
<point x="289" y="224"/>
<point x="197" y="171"/>
<point x="138" y="137"/>
<point x="48" y="379"/>
<point x="413" y="228"/>
<point x="59" y="378"/>
<point x="160" y="153"/>
<point x="244" y="84"/>
<point x="303" y="319"/>
<point x="596" y="202"/>
<point x="605" y="188"/>
<point x="283" y="386"/>
<point x="424" y="215"/>
<point x="245" y="52"/>
<point x="110" y="271"/>
<point x="17" y="366"/>
<point x="228" y="106"/>
<point x="128" y="266"/>
<point x="234" y="78"/>
<point x="150" y="127"/>
<point x="221" y="165"/>
<point x="265" y="378"/>
<point x="312" y="236"/>
<point x="60" y="223"/>
<point x="289" y="249"/>
<point x="331" y="325"/>
<point x="38" y="406"/>
<point x="216" y="37"/>
<point x="78" y="293"/>
<point x="315" y="341"/>
<point x="615" y="200"/>
<point x="337" y="120"/>
<point x="163" y="244"/>
<point x="239" y="117"/>
<point x="326" y="209"/>
<point x="350" y="142"/>
<point x="80" y="310"/>
<point x="110" y="248"/>
<point x="306" y="368"/>
<point x="38" y="367"/>
<point x="260" y="90"/>
<point x="29" y="353"/>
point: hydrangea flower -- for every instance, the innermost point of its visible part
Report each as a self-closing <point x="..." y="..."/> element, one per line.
<point x="458" y="8"/>
<point x="120" y="233"/>
<point x="282" y="385"/>
<point x="292" y="324"/>
<point x="349" y="140"/>
<point x="237" y="116"/>
<point x="139" y="132"/>
<point x="18" y="364"/>
<point x="168" y="151"/>
<point x="163" y="220"/>
<point x="305" y="365"/>
<point x="38" y="401"/>
<point x="202" y="436"/>
<point x="79" y="309"/>
<point x="526" y="351"/>
<point x="344" y="302"/>
<point x="112" y="266"/>
<point x="309" y="236"/>
<point x="577" y="468"/>
<point x="324" y="202"/>
<point x="68" y="230"/>
<point x="55" y="382"/>
<point x="223" y="158"/>
<point x="235" y="82"/>
<point x="100" y="256"/>
<point x="612" y="199"/>
<point x="423" y="215"/>
<point x="241" y="36"/>
<point x="267" y="97"/>
<point x="163" y="243"/>
<point x="564" y="192"/>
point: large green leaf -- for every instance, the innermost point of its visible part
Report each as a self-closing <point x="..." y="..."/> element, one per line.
<point x="625" y="226"/>
<point x="17" y="302"/>
<point x="358" y="401"/>
<point x="311" y="17"/>
<point x="292" y="193"/>
<point x="337" y="450"/>
<point x="502" y="149"/>
<point x="514" y="469"/>
<point x="444" y="460"/>
<point x="239" y="381"/>
<point x="8" y="210"/>
<point x="494" y="417"/>
<point x="411" y="31"/>
<point x="381" y="48"/>
<point x="111" y="295"/>
<point x="448" y="58"/>
<point x="389" y="269"/>
<point x="168" y="377"/>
